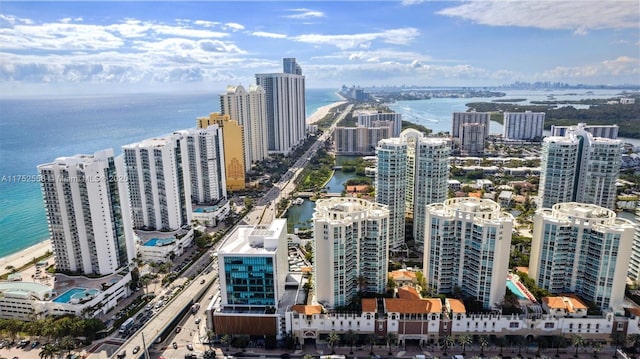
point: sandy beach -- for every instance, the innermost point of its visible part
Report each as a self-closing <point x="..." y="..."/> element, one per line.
<point x="25" y="256"/>
<point x="323" y="111"/>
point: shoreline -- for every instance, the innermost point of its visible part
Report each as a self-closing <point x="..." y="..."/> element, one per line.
<point x="321" y="112"/>
<point x="25" y="256"/>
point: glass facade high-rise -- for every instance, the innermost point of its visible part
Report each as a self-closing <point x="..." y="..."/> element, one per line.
<point x="87" y="207"/>
<point x="253" y="265"/>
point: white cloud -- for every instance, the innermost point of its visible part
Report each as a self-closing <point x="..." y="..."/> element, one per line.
<point x="58" y="36"/>
<point x="395" y="36"/>
<point x="205" y="23"/>
<point x="233" y="26"/>
<point x="304" y="14"/>
<point x="579" y="16"/>
<point x="272" y="35"/>
<point x="412" y="2"/>
<point x="180" y="31"/>
<point x="619" y="67"/>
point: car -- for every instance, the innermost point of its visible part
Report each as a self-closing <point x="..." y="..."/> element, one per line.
<point x="175" y="345"/>
<point x="178" y="329"/>
<point x="35" y="344"/>
<point x="189" y="346"/>
<point x="136" y="349"/>
<point x="202" y="281"/>
<point x="198" y="320"/>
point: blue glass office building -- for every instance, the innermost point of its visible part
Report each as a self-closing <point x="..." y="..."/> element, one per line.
<point x="250" y="280"/>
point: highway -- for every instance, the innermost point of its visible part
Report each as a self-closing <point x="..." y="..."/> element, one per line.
<point x="263" y="213"/>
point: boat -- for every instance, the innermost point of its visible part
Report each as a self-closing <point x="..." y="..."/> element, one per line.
<point x="298" y="201"/>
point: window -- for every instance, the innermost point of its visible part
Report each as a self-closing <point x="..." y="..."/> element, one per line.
<point x="548" y="325"/>
<point x="514" y="325"/>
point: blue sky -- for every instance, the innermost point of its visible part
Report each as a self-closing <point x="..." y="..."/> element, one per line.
<point x="143" y="46"/>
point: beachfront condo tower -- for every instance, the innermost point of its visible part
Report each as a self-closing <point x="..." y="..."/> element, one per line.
<point x="350" y="249"/>
<point x="425" y="181"/>
<point x="233" y="140"/>
<point x="467" y="246"/>
<point x="159" y="182"/>
<point x="207" y="175"/>
<point x="579" y="168"/>
<point x="86" y="202"/>
<point x="285" y="103"/>
<point x="249" y="109"/>
<point x="583" y="249"/>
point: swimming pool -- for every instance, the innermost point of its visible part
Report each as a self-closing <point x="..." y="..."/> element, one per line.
<point x="159" y="242"/>
<point x="75" y="294"/>
<point x="515" y="290"/>
<point x="205" y="209"/>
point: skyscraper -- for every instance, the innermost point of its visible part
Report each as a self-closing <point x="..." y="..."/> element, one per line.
<point x="159" y="182"/>
<point x="579" y="168"/>
<point x="391" y="185"/>
<point x="285" y="102"/>
<point x="461" y="118"/>
<point x="523" y="125"/>
<point x="467" y="246"/>
<point x="87" y="207"/>
<point x="583" y="249"/>
<point x="233" y="139"/>
<point x="249" y="109"/>
<point x="350" y="249"/>
<point x="426" y="162"/>
<point x="207" y="175"/>
<point x="427" y="176"/>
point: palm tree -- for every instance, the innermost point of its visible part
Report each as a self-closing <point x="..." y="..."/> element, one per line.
<point x="390" y="338"/>
<point x="332" y="339"/>
<point x="48" y="351"/>
<point x="225" y="340"/>
<point x="464" y="340"/>
<point x="501" y="342"/>
<point x="617" y="338"/>
<point x="597" y="347"/>
<point x="484" y="341"/>
<point x="577" y="341"/>
<point x="372" y="341"/>
<point x="448" y="341"/>
<point x="350" y="337"/>
<point x="559" y="341"/>
<point x="307" y="356"/>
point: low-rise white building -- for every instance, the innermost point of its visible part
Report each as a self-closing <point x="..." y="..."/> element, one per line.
<point x="210" y="216"/>
<point x="157" y="246"/>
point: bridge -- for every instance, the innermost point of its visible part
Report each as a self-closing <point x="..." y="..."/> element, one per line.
<point x="311" y="194"/>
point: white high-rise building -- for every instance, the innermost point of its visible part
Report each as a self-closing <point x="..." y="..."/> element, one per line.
<point x="523" y="125"/>
<point x="285" y="103"/>
<point x="467" y="246"/>
<point x="583" y="249"/>
<point x="391" y="185"/>
<point x="250" y="110"/>
<point x="350" y="249"/>
<point x="461" y="118"/>
<point x="87" y="207"/>
<point x="377" y="119"/>
<point x="426" y="161"/>
<point x="159" y="182"/>
<point x="427" y="176"/>
<point x="606" y="131"/>
<point x="472" y="139"/>
<point x="634" y="260"/>
<point x="579" y="168"/>
<point x="205" y="151"/>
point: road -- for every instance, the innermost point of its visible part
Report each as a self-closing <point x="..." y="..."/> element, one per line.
<point x="263" y="212"/>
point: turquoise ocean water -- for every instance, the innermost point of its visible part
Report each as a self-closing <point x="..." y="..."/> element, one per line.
<point x="37" y="130"/>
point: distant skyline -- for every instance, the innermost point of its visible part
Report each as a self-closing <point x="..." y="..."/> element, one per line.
<point x="121" y="46"/>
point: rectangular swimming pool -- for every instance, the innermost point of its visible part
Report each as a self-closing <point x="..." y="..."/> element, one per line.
<point x="66" y="296"/>
<point x="515" y="290"/>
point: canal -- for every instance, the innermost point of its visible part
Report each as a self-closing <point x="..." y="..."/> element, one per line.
<point x="299" y="216"/>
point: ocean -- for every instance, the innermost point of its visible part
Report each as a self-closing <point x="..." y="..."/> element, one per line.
<point x="38" y="130"/>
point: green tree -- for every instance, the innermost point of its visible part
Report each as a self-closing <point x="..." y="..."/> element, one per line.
<point x="464" y="340"/>
<point x="390" y="338"/>
<point x="371" y="338"/>
<point x="350" y="337"/>
<point x="577" y="341"/>
<point x="448" y="341"/>
<point x="483" y="341"/>
<point x="48" y="351"/>
<point x="332" y="339"/>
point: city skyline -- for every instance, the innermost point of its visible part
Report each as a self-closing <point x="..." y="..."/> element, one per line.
<point x="144" y="46"/>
